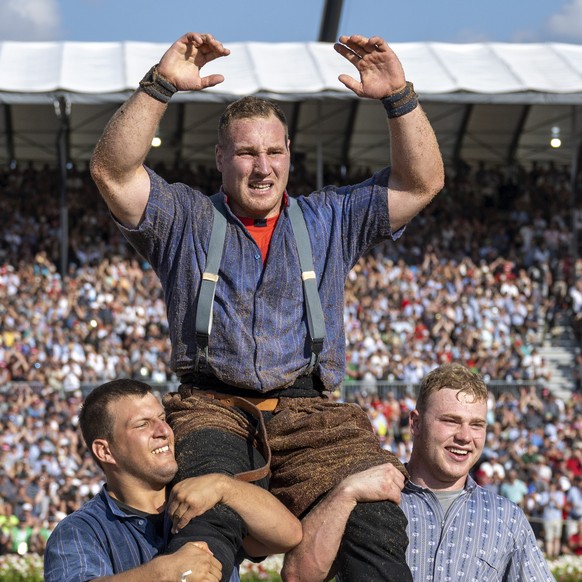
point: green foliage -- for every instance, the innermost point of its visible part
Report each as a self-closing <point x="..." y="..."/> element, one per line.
<point x="16" y="568"/>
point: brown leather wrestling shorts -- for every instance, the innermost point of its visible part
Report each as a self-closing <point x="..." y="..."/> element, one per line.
<point x="314" y="443"/>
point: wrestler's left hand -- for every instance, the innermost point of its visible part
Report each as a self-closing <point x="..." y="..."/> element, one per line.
<point x="194" y="496"/>
<point x="380" y="70"/>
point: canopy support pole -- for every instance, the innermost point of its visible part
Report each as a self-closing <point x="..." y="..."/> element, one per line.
<point x="63" y="110"/>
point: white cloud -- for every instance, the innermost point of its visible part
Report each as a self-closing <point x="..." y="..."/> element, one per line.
<point x="32" y="20"/>
<point x="566" y="24"/>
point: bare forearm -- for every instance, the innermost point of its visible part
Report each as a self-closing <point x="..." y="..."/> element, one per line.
<point x="323" y="529"/>
<point x="324" y="526"/>
<point x="117" y="162"/>
<point x="415" y="151"/>
<point x="151" y="572"/>
<point x="417" y="171"/>
<point x="168" y="568"/>
<point x="127" y="137"/>
<point x="272" y="527"/>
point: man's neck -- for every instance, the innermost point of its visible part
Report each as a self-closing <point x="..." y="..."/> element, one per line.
<point x="149" y="500"/>
<point x="427" y="481"/>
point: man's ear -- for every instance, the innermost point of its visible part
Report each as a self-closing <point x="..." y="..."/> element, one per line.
<point x="101" y="450"/>
<point x="414" y="422"/>
<point x="218" y="157"/>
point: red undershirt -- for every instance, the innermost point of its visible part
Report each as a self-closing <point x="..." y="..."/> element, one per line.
<point x="261" y="230"/>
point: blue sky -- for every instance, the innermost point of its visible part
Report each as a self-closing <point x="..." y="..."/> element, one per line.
<point x="292" y="20"/>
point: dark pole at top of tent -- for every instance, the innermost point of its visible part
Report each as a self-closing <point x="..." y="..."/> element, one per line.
<point x="332" y="12"/>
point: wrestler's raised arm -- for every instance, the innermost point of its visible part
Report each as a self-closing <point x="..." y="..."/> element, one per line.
<point x="117" y="162"/>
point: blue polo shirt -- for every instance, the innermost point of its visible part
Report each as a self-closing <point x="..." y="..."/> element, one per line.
<point x="100" y="539"/>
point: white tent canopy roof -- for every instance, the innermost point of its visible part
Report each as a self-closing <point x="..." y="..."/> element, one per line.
<point x="489" y="101"/>
<point x="293" y="69"/>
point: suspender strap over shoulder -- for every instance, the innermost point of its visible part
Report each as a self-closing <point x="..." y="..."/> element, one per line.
<point x="315" y="319"/>
<point x="209" y="280"/>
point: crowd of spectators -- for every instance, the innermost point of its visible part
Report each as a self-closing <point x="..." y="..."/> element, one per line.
<point x="479" y="278"/>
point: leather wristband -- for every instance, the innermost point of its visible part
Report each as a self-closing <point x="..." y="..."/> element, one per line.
<point x="401" y="101"/>
<point x="157" y="86"/>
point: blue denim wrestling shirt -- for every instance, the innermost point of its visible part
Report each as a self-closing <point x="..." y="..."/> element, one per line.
<point x="100" y="539"/>
<point x="259" y="338"/>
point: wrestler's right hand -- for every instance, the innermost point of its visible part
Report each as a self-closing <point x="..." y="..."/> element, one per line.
<point x="182" y="62"/>
<point x="193" y="556"/>
<point x="379" y="483"/>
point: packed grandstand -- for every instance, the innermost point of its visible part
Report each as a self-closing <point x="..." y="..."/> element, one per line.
<point x="484" y="277"/>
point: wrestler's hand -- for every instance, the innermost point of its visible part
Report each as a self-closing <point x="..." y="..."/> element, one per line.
<point x="381" y="72"/>
<point x="379" y="483"/>
<point x="182" y="62"/>
<point x="194" y="496"/>
<point x="192" y="556"/>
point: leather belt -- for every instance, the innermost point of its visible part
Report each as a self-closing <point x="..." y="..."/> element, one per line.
<point x="263" y="404"/>
<point x="305" y="386"/>
<point x="248" y="405"/>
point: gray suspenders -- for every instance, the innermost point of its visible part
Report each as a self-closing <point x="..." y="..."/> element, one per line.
<point x="315" y="320"/>
<point x="208" y="284"/>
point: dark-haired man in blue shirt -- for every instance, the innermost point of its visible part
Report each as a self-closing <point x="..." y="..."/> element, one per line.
<point x="123" y="531"/>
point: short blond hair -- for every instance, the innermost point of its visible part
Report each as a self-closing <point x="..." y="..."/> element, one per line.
<point x="455" y="377"/>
